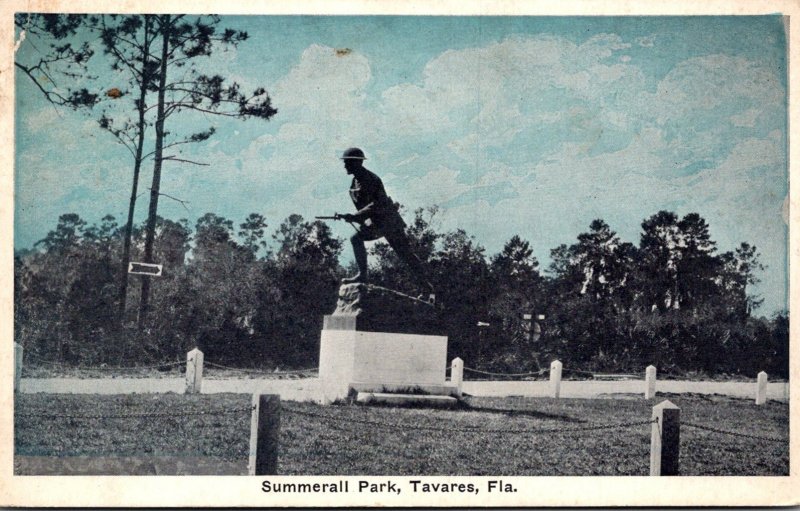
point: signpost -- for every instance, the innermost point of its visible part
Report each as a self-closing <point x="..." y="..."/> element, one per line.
<point x="533" y="332"/>
<point x="482" y="325"/>
<point x="153" y="270"/>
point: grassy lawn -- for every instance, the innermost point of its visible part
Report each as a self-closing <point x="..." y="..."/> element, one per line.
<point x="358" y="440"/>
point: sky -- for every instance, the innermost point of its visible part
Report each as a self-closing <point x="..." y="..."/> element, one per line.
<point x="511" y="125"/>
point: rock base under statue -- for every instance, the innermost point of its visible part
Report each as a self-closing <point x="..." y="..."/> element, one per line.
<point x="369" y="308"/>
<point x="355" y="358"/>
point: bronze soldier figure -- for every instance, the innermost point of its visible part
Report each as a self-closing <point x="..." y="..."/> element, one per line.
<point x="377" y="216"/>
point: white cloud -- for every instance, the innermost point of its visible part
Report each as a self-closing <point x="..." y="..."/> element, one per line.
<point x="437" y="187"/>
<point x="697" y="85"/>
<point x="45" y="118"/>
<point x="332" y="83"/>
<point x="746" y="119"/>
<point x="408" y="109"/>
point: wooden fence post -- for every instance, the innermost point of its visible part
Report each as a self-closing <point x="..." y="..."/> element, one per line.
<point x="650" y="382"/>
<point x="194" y="371"/>
<point x="265" y="423"/>
<point x="457" y="373"/>
<point x="17" y="366"/>
<point x="665" y="440"/>
<point x="555" y="378"/>
<point x="761" y="388"/>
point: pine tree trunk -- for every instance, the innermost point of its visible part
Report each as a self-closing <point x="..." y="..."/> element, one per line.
<point x="154" y="189"/>
<point x="137" y="165"/>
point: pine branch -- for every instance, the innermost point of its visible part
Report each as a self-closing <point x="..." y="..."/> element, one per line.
<point x="49" y="95"/>
<point x="173" y="158"/>
<point x="181" y="201"/>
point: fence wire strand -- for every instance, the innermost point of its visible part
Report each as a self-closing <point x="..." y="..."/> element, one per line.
<point x="170" y="365"/>
<point x="139" y="415"/>
<point x="370" y="422"/>
<point x="577" y="371"/>
<point x="262" y="371"/>
<point x="734" y="433"/>
<point x="489" y="373"/>
<point x="532" y="373"/>
<point x="103" y="367"/>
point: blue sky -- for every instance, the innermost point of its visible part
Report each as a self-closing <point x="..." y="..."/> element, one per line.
<point x="512" y="125"/>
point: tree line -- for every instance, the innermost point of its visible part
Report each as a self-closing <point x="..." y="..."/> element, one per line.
<point x="253" y="299"/>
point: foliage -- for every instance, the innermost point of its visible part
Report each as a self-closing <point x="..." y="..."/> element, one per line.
<point x="213" y="293"/>
<point x="247" y="298"/>
<point x="306" y="274"/>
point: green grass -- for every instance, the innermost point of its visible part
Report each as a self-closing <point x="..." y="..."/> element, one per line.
<point x="346" y="442"/>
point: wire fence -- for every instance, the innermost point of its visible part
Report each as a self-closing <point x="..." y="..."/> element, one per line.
<point x="331" y="417"/>
<point x="168" y="365"/>
<point x="137" y="415"/>
<point x="343" y="417"/>
<point x="392" y="425"/>
<point x="490" y="373"/>
<point x="474" y="430"/>
<point x="301" y="373"/>
<point x="184" y="447"/>
<point x="104" y="367"/>
<point x="615" y="376"/>
<point x="533" y="374"/>
<point x="264" y="372"/>
<point x="734" y="433"/>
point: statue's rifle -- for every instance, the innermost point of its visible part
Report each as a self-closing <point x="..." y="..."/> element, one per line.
<point x="336" y="216"/>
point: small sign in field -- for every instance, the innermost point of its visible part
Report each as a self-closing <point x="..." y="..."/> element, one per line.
<point x="154" y="270"/>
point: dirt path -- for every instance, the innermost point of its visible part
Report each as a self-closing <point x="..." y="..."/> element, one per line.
<point x="310" y="388"/>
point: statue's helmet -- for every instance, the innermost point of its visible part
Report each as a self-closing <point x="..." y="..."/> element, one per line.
<point x="354" y="153"/>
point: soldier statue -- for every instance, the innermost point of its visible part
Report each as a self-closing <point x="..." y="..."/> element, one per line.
<point x="377" y="216"/>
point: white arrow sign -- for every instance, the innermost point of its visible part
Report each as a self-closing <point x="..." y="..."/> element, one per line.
<point x="154" y="270"/>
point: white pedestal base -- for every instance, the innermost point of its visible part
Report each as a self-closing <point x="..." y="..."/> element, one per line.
<point x="375" y="359"/>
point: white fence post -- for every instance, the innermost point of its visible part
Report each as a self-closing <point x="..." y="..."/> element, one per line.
<point x="194" y="371"/>
<point x="457" y="373"/>
<point x="17" y="366"/>
<point x="665" y="440"/>
<point x="761" y="388"/>
<point x="555" y="378"/>
<point x="650" y="382"/>
<point x="265" y="424"/>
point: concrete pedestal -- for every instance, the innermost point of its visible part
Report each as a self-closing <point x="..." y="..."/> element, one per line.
<point x="381" y="361"/>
